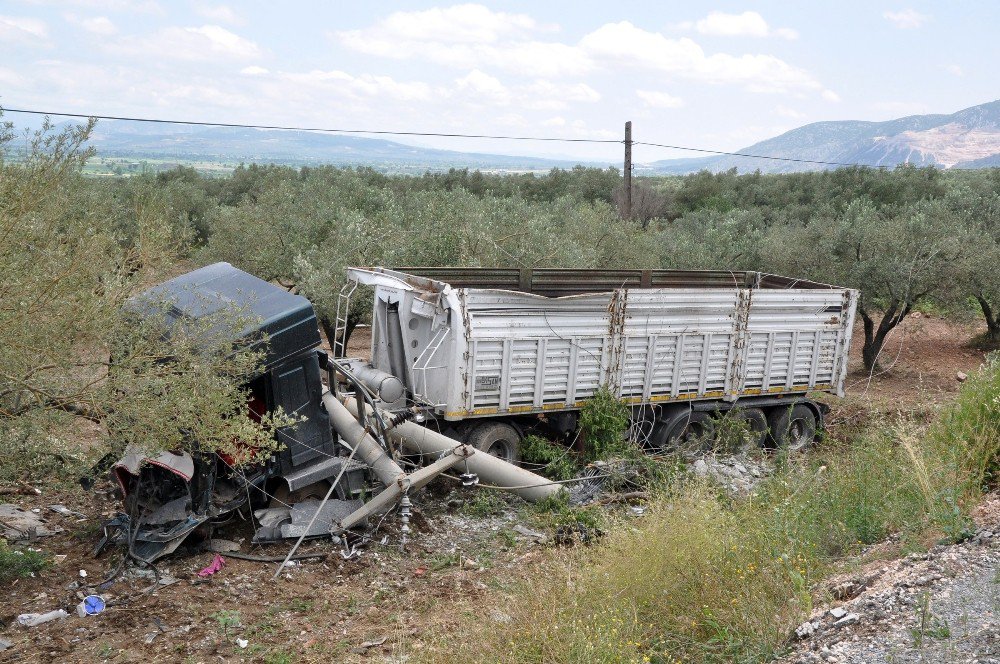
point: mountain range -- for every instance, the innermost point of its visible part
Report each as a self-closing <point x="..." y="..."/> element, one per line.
<point x="966" y="139"/>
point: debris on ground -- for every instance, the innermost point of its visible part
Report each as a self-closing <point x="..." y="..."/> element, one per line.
<point x="218" y="562"/>
<point x="35" y="619"/>
<point x="18" y="524"/>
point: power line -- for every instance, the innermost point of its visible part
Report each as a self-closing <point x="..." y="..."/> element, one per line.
<point x="382" y="132"/>
<point x="318" y="129"/>
<point x="745" y="154"/>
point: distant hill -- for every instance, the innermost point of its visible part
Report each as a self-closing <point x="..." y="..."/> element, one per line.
<point x="141" y="140"/>
<point x="966" y="139"/>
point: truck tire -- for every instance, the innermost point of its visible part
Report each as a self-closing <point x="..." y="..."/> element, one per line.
<point x="498" y="439"/>
<point x="690" y="430"/>
<point x="756" y="423"/>
<point x="793" y="427"/>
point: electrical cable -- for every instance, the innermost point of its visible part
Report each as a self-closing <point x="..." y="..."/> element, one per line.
<point x="385" y="132"/>
<point x="747" y="154"/>
<point x="379" y="132"/>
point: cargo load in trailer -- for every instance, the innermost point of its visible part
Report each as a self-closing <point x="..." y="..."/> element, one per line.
<point x="494" y="353"/>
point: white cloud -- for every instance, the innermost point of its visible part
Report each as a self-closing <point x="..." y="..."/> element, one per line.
<point x="484" y="85"/>
<point x="98" y="25"/>
<point x="790" y="113"/>
<point x="364" y="85"/>
<point x="906" y="19"/>
<point x="955" y="70"/>
<point x="659" y="99"/>
<point x="468" y="23"/>
<point x="254" y="70"/>
<point x="22" y="29"/>
<point x="624" y="43"/>
<point x="206" y="43"/>
<point x="830" y="95"/>
<point x="555" y="121"/>
<point x="747" y="24"/>
<point x="222" y="13"/>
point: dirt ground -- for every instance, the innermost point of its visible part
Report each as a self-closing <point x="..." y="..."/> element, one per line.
<point x="384" y="605"/>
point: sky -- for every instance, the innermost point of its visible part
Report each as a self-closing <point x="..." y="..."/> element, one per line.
<point x="717" y="75"/>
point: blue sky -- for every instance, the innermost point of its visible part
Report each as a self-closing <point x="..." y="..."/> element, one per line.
<point x="719" y="75"/>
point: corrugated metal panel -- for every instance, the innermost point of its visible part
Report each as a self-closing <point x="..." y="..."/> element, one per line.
<point x="513" y="352"/>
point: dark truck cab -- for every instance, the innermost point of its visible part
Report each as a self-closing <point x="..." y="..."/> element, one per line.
<point x="171" y="494"/>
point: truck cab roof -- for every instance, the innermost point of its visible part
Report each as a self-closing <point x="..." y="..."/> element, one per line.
<point x="287" y="320"/>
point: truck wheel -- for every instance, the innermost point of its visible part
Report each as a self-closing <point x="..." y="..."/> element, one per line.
<point x="792" y="427"/>
<point x="692" y="431"/>
<point x="497" y="439"/>
<point x="757" y="426"/>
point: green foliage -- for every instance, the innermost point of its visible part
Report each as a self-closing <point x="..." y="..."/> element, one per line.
<point x="604" y="419"/>
<point x="555" y="461"/>
<point x="703" y="577"/>
<point x="20" y="563"/>
<point x="484" y="503"/>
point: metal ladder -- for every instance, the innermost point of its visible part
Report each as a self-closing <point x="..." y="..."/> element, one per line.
<point x="338" y="343"/>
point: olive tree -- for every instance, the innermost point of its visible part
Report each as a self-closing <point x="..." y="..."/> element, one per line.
<point x="71" y="257"/>
<point x="895" y="257"/>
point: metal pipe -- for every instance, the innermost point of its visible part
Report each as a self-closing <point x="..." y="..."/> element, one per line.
<point x="368" y="450"/>
<point x="495" y="471"/>
<point x="384" y="385"/>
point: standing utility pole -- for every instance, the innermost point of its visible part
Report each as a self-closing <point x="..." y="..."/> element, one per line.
<point x="628" y="170"/>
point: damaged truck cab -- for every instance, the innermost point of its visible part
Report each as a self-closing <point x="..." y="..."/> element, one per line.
<point x="172" y="494"/>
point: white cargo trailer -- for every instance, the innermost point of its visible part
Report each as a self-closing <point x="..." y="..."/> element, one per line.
<point x="497" y="351"/>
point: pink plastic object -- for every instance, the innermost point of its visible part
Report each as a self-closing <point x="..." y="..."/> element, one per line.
<point x="217" y="563"/>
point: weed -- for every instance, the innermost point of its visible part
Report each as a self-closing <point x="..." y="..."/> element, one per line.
<point x="19" y="564"/>
<point x="485" y="503"/>
<point x="604" y="419"/>
<point x="105" y="651"/>
<point x="227" y="619"/>
<point x="443" y="561"/>
<point x="507" y="538"/>
<point x="555" y="461"/>
<point x="278" y="657"/>
<point x="930" y="626"/>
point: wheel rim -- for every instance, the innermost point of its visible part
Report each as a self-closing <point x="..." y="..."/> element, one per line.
<point x="500" y="449"/>
<point x="798" y="434"/>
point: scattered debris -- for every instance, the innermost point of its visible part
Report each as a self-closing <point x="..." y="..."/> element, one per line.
<point x="35" y="619"/>
<point x="242" y="643"/>
<point x="4" y="644"/>
<point x="218" y="562"/>
<point x="62" y="510"/>
<point x="83" y="574"/>
<point x="531" y="534"/>
<point x="17" y="524"/>
<point x="222" y="546"/>
<point x="375" y="643"/>
<point x="961" y="376"/>
<point x="838" y="612"/>
<point x="90" y="606"/>
<point x="21" y="488"/>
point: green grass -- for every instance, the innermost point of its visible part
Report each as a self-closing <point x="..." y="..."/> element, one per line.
<point x="705" y="577"/>
<point x="20" y="563"/>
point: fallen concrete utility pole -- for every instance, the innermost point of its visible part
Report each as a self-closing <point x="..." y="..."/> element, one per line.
<point x="494" y="471"/>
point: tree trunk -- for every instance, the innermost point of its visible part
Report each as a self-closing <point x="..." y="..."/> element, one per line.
<point x="329" y="329"/>
<point x="992" y="320"/>
<point x="875" y="337"/>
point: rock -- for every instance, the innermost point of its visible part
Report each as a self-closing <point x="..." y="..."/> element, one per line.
<point x="849" y="619"/>
<point x="498" y="616"/>
<point x="700" y="468"/>
<point x="844" y="590"/>
<point x="838" y="612"/>
<point x="961" y="376"/>
<point x="805" y="630"/>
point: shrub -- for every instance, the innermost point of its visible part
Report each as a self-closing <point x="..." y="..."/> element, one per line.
<point x="553" y="460"/>
<point x="604" y="420"/>
<point x="18" y="563"/>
